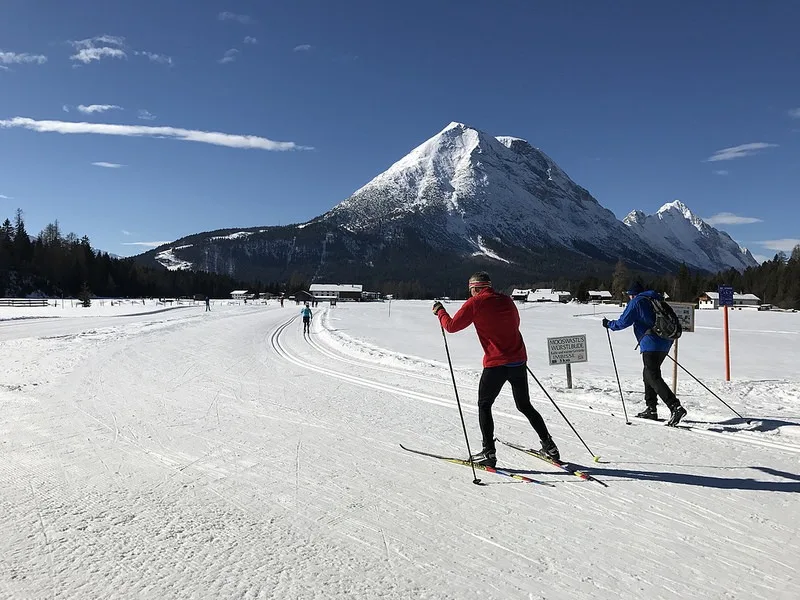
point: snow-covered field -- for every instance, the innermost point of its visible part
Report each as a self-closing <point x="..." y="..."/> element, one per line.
<point x="185" y="454"/>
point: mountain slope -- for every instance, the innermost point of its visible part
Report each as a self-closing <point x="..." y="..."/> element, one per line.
<point x="676" y="230"/>
<point x="460" y="201"/>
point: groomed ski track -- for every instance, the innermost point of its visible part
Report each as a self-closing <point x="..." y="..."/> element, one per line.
<point x="225" y="455"/>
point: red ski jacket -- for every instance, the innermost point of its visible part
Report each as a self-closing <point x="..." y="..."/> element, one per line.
<point x="496" y="321"/>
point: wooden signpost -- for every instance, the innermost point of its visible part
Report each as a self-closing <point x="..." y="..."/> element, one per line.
<point x="685" y="313"/>
<point x="567" y="350"/>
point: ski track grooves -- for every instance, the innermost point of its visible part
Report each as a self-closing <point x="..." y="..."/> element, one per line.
<point x="280" y="348"/>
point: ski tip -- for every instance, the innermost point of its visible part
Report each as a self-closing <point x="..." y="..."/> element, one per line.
<point x="596" y="459"/>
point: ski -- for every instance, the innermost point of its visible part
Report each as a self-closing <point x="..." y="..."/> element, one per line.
<point x="566" y="467"/>
<point x="488" y="469"/>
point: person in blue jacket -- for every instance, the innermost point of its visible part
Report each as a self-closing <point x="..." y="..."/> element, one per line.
<point x="654" y="349"/>
<point x="306" y="313"/>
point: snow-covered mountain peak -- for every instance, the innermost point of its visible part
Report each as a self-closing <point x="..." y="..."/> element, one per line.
<point x="634" y="217"/>
<point x="676" y="229"/>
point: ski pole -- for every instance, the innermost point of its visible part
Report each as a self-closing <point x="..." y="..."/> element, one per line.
<point x="614" y="360"/>
<point x="705" y="386"/>
<point x="475" y="479"/>
<point x="594" y="456"/>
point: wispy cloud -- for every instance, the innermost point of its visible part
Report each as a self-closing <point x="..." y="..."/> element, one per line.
<point x="739" y="151"/>
<point x="146" y="244"/>
<point x="190" y="135"/>
<point x="146" y="115"/>
<point x="795" y="113"/>
<point x="248" y="39"/>
<point x="97" y="108"/>
<point x="303" y="48"/>
<point x="784" y="245"/>
<point x="16" y="58"/>
<point x="726" y="218"/>
<point x="107" y="165"/>
<point x="229" y="56"/>
<point x="98" y="47"/>
<point x="162" y="59"/>
<point x="65" y="108"/>
<point x="722" y="172"/>
<point x="126" y="232"/>
<point x="4" y="68"/>
<point x="4" y="197"/>
<point x="229" y="16"/>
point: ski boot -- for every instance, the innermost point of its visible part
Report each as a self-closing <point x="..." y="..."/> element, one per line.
<point x="550" y="449"/>
<point x="486" y="457"/>
<point x="677" y="412"/>
<point x="649" y="413"/>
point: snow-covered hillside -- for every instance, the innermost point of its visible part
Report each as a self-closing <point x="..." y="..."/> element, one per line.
<point x="677" y="230"/>
<point x="475" y="191"/>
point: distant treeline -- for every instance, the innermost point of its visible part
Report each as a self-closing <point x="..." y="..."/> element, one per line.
<point x="54" y="264"/>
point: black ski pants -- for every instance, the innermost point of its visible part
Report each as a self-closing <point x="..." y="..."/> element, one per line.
<point x="654" y="384"/>
<point x="492" y="381"/>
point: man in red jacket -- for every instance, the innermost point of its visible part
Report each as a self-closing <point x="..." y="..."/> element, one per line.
<point x="496" y="321"/>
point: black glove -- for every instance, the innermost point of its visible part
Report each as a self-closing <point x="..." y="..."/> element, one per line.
<point x="605" y="322"/>
<point x="437" y="306"/>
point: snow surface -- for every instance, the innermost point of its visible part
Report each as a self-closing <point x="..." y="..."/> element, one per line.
<point x="185" y="454"/>
<point x="171" y="262"/>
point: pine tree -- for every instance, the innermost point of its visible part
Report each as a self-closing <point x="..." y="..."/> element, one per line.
<point x="85" y="296"/>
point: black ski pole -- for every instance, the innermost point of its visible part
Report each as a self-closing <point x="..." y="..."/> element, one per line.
<point x="614" y="360"/>
<point x="475" y="479"/>
<point x="705" y="386"/>
<point x="594" y="456"/>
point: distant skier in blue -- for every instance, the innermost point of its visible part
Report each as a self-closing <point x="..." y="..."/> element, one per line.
<point x="654" y="349"/>
<point x="306" y="312"/>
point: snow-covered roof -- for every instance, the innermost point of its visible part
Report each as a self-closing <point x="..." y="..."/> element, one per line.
<point x="236" y="292"/>
<point x="517" y="292"/>
<point x="600" y="293"/>
<point x="335" y="287"/>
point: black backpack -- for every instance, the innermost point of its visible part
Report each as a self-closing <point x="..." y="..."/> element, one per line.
<point x="667" y="324"/>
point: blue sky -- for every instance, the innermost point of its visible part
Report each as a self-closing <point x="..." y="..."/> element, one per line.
<point x="273" y="111"/>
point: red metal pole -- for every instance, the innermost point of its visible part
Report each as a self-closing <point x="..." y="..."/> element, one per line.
<point x="727" y="347"/>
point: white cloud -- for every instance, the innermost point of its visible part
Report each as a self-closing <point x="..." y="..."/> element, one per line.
<point x="4" y="68"/>
<point x="147" y="244"/>
<point x="126" y="232"/>
<point x="739" y="151"/>
<point x="784" y="245"/>
<point x="248" y="39"/>
<point x="107" y="165"/>
<point x="97" y="108"/>
<point x="87" y="55"/>
<point x="722" y="172"/>
<point x="146" y="115"/>
<point x="795" y="113"/>
<point x="229" y="56"/>
<point x="4" y="197"/>
<point x="14" y="58"/>
<point x="726" y="218"/>
<point x="98" y="47"/>
<point x="229" y="16"/>
<point x="190" y="135"/>
<point x="65" y="108"/>
<point x="302" y="48"/>
<point x="162" y="59"/>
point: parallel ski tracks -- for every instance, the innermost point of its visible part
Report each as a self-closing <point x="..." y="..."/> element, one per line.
<point x="280" y="348"/>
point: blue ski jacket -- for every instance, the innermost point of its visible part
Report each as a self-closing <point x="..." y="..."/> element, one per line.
<point x="641" y="315"/>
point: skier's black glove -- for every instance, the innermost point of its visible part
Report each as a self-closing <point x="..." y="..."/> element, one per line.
<point x="605" y="322"/>
<point x="437" y="306"/>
